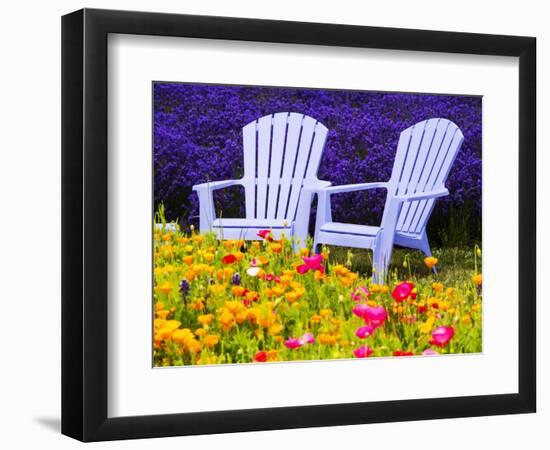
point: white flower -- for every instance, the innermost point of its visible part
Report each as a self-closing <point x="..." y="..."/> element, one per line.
<point x="253" y="271"/>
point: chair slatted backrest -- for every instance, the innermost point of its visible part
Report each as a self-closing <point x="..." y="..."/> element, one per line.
<point x="425" y="154"/>
<point x="282" y="152"/>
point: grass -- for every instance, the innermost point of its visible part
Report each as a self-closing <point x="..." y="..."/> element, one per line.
<point x="455" y="265"/>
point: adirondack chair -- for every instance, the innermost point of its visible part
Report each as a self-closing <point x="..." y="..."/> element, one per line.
<point x="281" y="156"/>
<point x="425" y="154"/>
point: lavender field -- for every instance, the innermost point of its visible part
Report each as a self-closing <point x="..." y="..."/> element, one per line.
<point x="197" y="137"/>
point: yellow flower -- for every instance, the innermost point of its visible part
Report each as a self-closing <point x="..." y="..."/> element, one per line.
<point x="276" y="248"/>
<point x="208" y="257"/>
<point x="211" y="340"/>
<point x="315" y="318"/>
<point x="476" y="307"/>
<point x="241" y="316"/>
<point x="239" y="256"/>
<point x="437" y="287"/>
<point x="430" y="262"/>
<point x="324" y="313"/>
<point x="251" y="296"/>
<point x="159" y="323"/>
<point x="278" y="291"/>
<point x="165" y="287"/>
<point x="205" y="319"/>
<point x="200" y="332"/>
<point x="162" y="314"/>
<point x="233" y="306"/>
<point x="182" y="240"/>
<point x="197" y="304"/>
<point x="275" y="329"/>
<point x="292" y="296"/>
<point x="374" y="288"/>
<point x="285" y="279"/>
<point x="228" y="244"/>
<point x="262" y="260"/>
<point x="193" y="346"/>
<point x="255" y="245"/>
<point x="217" y="288"/>
<point x="166" y="237"/>
<point x="384" y="289"/>
<point x="477" y="279"/>
<point x="226" y="319"/>
<point x="319" y="275"/>
<point x="341" y="270"/>
<point x="188" y="248"/>
<point x="349" y="279"/>
<point x="198" y="238"/>
<point x="188" y="260"/>
<point x="224" y="274"/>
<point x="450" y="292"/>
<point x="238" y="291"/>
<point x="466" y="319"/>
<point x="444" y="305"/>
<point x="327" y="339"/>
<point x="426" y="327"/>
<point x="182" y="336"/>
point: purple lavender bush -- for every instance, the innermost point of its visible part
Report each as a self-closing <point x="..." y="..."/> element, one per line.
<point x="197" y="138"/>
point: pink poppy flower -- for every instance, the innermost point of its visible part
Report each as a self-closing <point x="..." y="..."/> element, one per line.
<point x="364" y="332"/>
<point x="429" y="352"/>
<point x="361" y="293"/>
<point x="375" y="315"/>
<point x="266" y="234"/>
<point x="403" y="291"/>
<point x="362" y="352"/>
<point x="360" y="310"/>
<point x="311" y="263"/>
<point x="307" y="338"/>
<point x="293" y="343"/>
<point x="442" y="335"/>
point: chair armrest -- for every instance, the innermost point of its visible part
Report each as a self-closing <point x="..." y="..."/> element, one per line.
<point x="423" y="195"/>
<point x="315" y="186"/>
<point x="213" y="185"/>
<point x="354" y="187"/>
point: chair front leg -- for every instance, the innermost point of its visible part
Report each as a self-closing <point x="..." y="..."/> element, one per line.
<point x="207" y="214"/>
<point x="383" y="247"/>
<point x="324" y="215"/>
<point x="301" y="223"/>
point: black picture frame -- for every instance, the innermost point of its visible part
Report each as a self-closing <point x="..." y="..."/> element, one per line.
<point x="84" y="224"/>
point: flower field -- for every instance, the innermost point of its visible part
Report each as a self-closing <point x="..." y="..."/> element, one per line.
<point x="226" y="302"/>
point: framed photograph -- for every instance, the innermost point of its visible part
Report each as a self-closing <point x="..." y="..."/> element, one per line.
<point x="273" y="224"/>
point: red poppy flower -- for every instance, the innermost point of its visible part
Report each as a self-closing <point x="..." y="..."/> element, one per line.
<point x="229" y="259"/>
<point x="260" y="356"/>
<point x="402" y="353"/>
